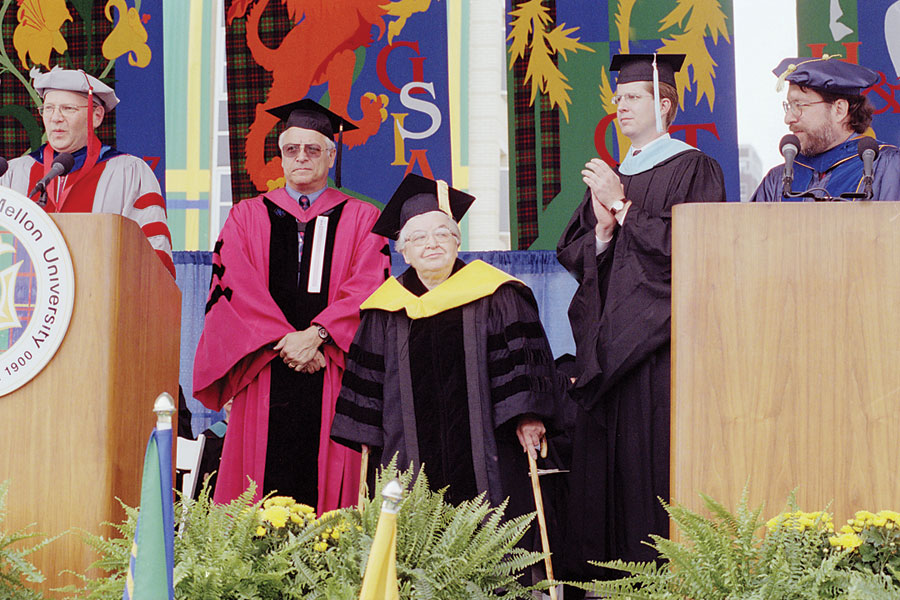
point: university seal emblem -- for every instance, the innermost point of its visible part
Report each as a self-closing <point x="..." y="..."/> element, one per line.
<point x="37" y="289"/>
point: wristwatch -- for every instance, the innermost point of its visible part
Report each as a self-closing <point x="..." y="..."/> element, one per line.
<point x="323" y="334"/>
<point x="616" y="206"/>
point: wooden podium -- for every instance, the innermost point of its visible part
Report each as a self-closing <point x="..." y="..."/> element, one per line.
<point x="786" y="355"/>
<point x="73" y="438"/>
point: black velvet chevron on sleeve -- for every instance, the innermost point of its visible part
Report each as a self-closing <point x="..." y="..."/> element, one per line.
<point x="359" y="409"/>
<point x="520" y="362"/>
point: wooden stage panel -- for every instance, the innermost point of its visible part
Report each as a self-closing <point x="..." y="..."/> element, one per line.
<point x="786" y="354"/>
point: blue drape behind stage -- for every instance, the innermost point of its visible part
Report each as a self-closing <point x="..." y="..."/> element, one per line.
<point x="552" y="286"/>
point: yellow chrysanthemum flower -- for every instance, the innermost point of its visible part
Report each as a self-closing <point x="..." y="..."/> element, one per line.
<point x="278" y="501"/>
<point x="890" y="515"/>
<point x="260" y="531"/>
<point x="847" y="541"/>
<point x="303" y="508"/>
<point x="320" y="547"/>
<point x="276" y="515"/>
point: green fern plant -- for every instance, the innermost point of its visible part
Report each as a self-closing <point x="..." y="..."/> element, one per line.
<point x="16" y="571"/>
<point x="724" y="556"/>
<point x="444" y="552"/>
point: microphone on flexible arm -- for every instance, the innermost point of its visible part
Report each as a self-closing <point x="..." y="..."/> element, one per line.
<point x="62" y="164"/>
<point x="3" y="166"/>
<point x="867" y="149"/>
<point x="789" y="148"/>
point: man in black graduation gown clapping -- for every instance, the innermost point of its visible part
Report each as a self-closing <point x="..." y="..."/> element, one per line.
<point x="618" y="246"/>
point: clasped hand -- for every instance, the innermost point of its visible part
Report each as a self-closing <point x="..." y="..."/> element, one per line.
<point x="300" y="350"/>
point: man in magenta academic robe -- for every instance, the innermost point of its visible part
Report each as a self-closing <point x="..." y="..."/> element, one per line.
<point x="290" y="269"/>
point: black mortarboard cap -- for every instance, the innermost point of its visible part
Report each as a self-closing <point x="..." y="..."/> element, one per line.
<point x="309" y="114"/>
<point x="418" y="195"/>
<point x="827" y="74"/>
<point x="639" y="67"/>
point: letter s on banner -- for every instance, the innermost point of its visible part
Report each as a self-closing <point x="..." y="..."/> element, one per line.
<point x="423" y="106"/>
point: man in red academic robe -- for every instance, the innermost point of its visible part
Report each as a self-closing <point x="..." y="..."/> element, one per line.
<point x="290" y="269"/>
<point x="103" y="180"/>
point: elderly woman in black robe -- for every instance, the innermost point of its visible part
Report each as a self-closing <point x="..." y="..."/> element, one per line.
<point x="450" y="367"/>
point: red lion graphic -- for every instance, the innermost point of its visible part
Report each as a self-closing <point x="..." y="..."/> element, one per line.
<point x="319" y="49"/>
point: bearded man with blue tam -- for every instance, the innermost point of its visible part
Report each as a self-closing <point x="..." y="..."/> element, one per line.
<point x="617" y="245"/>
<point x="827" y="111"/>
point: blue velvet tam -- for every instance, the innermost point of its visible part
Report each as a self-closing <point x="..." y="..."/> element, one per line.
<point x="829" y="74"/>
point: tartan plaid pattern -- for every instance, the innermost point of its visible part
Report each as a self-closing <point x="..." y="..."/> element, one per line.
<point x="527" y="184"/>
<point x="526" y="168"/>
<point x="550" y="155"/>
<point x="248" y="84"/>
<point x="21" y="126"/>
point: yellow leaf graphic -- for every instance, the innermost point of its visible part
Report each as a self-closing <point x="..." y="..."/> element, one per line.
<point x="529" y="31"/>
<point x="702" y="16"/>
<point x="403" y="10"/>
<point x="623" y="23"/>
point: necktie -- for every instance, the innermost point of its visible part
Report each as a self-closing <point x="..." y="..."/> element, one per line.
<point x="636" y="152"/>
<point x="304" y="204"/>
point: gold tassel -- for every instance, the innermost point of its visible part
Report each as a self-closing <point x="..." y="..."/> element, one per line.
<point x="443" y="195"/>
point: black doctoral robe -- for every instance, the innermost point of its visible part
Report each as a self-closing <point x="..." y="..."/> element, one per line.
<point x="446" y="387"/>
<point x="620" y="317"/>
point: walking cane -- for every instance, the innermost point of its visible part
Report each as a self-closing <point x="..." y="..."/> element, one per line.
<point x="363" y="468"/>
<point x="539" y="505"/>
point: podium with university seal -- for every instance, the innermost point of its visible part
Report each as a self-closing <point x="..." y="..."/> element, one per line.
<point x="786" y="355"/>
<point x="90" y="322"/>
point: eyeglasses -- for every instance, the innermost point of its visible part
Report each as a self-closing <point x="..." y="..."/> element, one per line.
<point x="292" y="150"/>
<point x="66" y="110"/>
<point x="627" y="98"/>
<point x="796" y="108"/>
<point x="441" y="235"/>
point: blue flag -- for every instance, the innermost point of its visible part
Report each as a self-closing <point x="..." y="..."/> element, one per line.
<point x="152" y="553"/>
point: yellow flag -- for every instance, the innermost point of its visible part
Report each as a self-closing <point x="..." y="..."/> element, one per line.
<point x="380" y="580"/>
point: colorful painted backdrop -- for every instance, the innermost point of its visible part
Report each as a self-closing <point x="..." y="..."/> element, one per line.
<point x="560" y="93"/>
<point x="382" y="64"/>
<point x="865" y="32"/>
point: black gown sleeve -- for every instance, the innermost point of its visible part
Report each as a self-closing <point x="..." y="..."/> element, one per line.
<point x="360" y="404"/>
<point x="523" y="377"/>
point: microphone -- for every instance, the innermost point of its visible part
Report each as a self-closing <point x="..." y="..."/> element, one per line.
<point x="789" y="148"/>
<point x="867" y="149"/>
<point x="62" y="164"/>
<point x="3" y="166"/>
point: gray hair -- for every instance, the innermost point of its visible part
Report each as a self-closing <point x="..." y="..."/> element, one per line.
<point x="403" y="237"/>
<point x="329" y="143"/>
